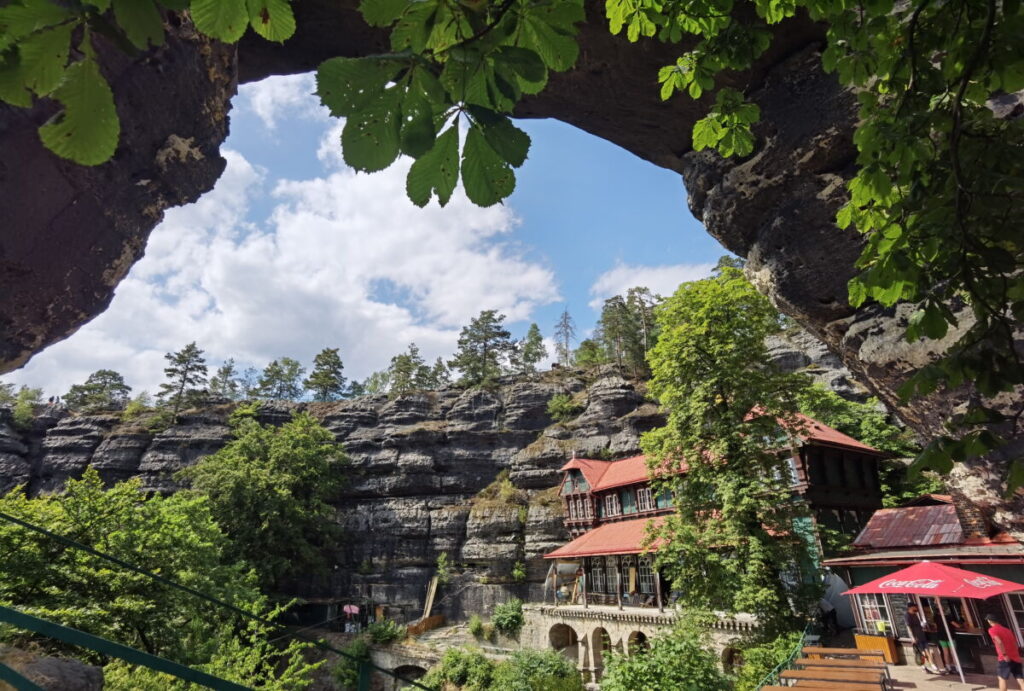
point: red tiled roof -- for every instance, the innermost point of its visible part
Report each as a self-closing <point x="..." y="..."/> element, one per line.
<point x="622" y="537"/>
<point x="591" y="468"/>
<point x="814" y="430"/>
<point x="912" y="526"/>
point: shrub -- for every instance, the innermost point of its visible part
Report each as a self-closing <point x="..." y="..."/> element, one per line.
<point x="476" y="625"/>
<point x="489" y="632"/>
<point x="136" y="407"/>
<point x="467" y="668"/>
<point x="508" y="617"/>
<point x="365" y="567"/>
<point x="527" y="670"/>
<point x="346" y="672"/>
<point x="519" y="572"/>
<point x="758" y="661"/>
<point x="385" y="631"/>
<point x="25" y="403"/>
<point x="562" y="407"/>
<point x="444" y="569"/>
<point x="501" y="492"/>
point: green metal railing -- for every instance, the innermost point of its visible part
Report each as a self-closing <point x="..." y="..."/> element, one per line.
<point x="131" y="655"/>
<point x="772" y="677"/>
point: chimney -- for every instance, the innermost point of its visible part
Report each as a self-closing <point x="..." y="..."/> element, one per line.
<point x="972" y="520"/>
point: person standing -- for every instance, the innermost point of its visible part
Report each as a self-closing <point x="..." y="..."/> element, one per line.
<point x="1007" y="653"/>
<point x="929" y="654"/>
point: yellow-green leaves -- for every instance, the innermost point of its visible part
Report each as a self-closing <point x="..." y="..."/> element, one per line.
<point x="727" y="126"/>
<point x="272" y="19"/>
<point x="86" y="131"/>
<point x="225" y="20"/>
<point x="436" y="171"/>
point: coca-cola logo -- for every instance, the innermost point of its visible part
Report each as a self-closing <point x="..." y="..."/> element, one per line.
<point x="924" y="583"/>
<point x="982" y="582"/>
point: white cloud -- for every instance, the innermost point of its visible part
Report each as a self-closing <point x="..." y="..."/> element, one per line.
<point x="283" y="97"/>
<point x="662" y="280"/>
<point x="342" y="260"/>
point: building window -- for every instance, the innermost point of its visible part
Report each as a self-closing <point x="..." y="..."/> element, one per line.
<point x="611" y="565"/>
<point x="628" y="501"/>
<point x="572" y="509"/>
<point x="646" y="576"/>
<point x="665" y="499"/>
<point x="597" y="574"/>
<point x="644" y="499"/>
<point x="588" y="508"/>
<point x="1016" y="607"/>
<point x="875" y="611"/>
<point x="611" y="505"/>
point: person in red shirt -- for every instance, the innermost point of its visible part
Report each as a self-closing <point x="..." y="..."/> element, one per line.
<point x="1009" y="663"/>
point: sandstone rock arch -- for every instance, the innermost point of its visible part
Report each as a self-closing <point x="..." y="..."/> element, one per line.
<point x="412" y="672"/>
<point x="70" y="234"/>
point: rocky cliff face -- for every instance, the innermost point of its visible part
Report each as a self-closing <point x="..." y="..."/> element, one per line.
<point x="418" y="463"/>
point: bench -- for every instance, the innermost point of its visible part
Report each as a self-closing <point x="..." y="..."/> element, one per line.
<point x="817" y="686"/>
<point x="842" y="664"/>
<point x="835" y="677"/>
<point x="816" y="650"/>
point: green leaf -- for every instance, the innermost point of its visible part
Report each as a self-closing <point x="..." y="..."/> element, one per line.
<point x="272" y="19"/>
<point x="382" y="12"/>
<point x="43" y="57"/>
<point x="418" y="130"/>
<point x="347" y="85"/>
<point x="845" y="215"/>
<point x="437" y="170"/>
<point x="858" y="292"/>
<point x="21" y="19"/>
<point x="370" y="140"/>
<point x="486" y="176"/>
<point x="176" y="5"/>
<point x="413" y="28"/>
<point x="87" y="130"/>
<point x="224" y="20"/>
<point x="12" y="84"/>
<point x="558" y="50"/>
<point x="507" y="140"/>
<point x="706" y="133"/>
<point x="736" y="141"/>
<point x="141" y="22"/>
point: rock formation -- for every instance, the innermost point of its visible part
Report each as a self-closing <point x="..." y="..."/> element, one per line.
<point x="71" y="233"/>
<point x="418" y="463"/>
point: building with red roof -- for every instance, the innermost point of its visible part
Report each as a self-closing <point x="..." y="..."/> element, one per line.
<point x="611" y="509"/>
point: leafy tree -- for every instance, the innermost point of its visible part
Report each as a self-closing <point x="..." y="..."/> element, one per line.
<point x="464" y="668"/>
<point x="137" y="406"/>
<point x="739" y="541"/>
<point x="186" y="376"/>
<point x="175" y="536"/>
<point x="526" y="670"/>
<point x="25" y="403"/>
<point x="326" y="380"/>
<point x="248" y="383"/>
<point x="7" y="395"/>
<point x="561" y="407"/>
<point x="355" y="389"/>
<point x="679" y="661"/>
<point x="281" y="380"/>
<point x="268" y="489"/>
<point x="508" y="616"/>
<point x="103" y="390"/>
<point x="565" y="332"/>
<point x="408" y="372"/>
<point x="483" y="347"/>
<point x="590" y="353"/>
<point x="531" y="350"/>
<point x="439" y="375"/>
<point x="377" y="383"/>
<point x="760" y="660"/>
<point x="225" y="383"/>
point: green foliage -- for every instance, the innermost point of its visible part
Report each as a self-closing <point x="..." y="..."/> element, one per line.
<point x="733" y="543"/>
<point x="519" y="568"/>
<point x="476" y="625"/>
<point x="527" y="670"/>
<point x="508" y="617"/>
<point x="466" y="668"/>
<point x="48" y="50"/>
<point x="408" y="372"/>
<point x="679" y="661"/>
<point x="627" y="330"/>
<point x="760" y="660"/>
<point x="281" y="380"/>
<point x="444" y="569"/>
<point x="483" y="346"/>
<point x="346" y="671"/>
<point x="590" y="354"/>
<point x="136" y="407"/>
<point x="25" y="403"/>
<point x="365" y="567"/>
<point x="326" y="381"/>
<point x="528" y="352"/>
<point x="186" y="375"/>
<point x="103" y="390"/>
<point x="500" y="493"/>
<point x="565" y="332"/>
<point x="268" y="489"/>
<point x="7" y="395"/>
<point x="175" y="536"/>
<point x="562" y="407"/>
<point x="385" y="631"/>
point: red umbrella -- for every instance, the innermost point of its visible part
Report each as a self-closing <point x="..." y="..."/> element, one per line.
<point x="938" y="580"/>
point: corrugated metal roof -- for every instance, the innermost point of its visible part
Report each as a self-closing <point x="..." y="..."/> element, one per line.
<point x="622" y="537"/>
<point x="1004" y="553"/>
<point x="912" y="526"/>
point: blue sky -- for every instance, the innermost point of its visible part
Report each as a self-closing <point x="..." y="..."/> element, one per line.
<point x="293" y="252"/>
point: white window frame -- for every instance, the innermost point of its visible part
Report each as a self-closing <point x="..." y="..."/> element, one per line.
<point x="597" y="572"/>
<point x="645" y="574"/>
<point x="588" y="508"/>
<point x="644" y="499"/>
<point x="611" y="565"/>
<point x="878" y="607"/>
<point x="1014" y="603"/>
<point x="611" y="505"/>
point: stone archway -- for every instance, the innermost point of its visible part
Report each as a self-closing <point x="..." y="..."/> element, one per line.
<point x="563" y="639"/>
<point x="600" y="644"/>
<point x="410" y="672"/>
<point x="731" y="659"/>
<point x="637" y="643"/>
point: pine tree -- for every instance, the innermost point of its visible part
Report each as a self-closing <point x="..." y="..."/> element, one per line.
<point x="326" y="381"/>
<point x="282" y="380"/>
<point x="408" y="372"/>
<point x="186" y="376"/>
<point x="590" y="353"/>
<point x="103" y="390"/>
<point x="225" y="384"/>
<point x="483" y="347"/>
<point x="378" y="382"/>
<point x="355" y="389"/>
<point x="7" y="395"/>
<point x="248" y="383"/>
<point x="440" y="377"/>
<point x="565" y="332"/>
<point x="531" y="350"/>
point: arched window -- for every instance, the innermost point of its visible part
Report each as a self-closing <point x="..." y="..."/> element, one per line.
<point x="598" y="582"/>
<point x="611" y="565"/>
<point x="646" y="576"/>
